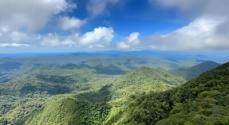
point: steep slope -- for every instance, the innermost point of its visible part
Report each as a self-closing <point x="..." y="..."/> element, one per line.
<point x="201" y="101"/>
<point x="194" y="71"/>
<point x="142" y="80"/>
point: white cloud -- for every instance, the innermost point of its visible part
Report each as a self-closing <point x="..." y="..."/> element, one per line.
<point x="98" y="38"/>
<point x="18" y="36"/>
<point x="209" y="27"/>
<point x="4" y="29"/>
<point x="197" y="8"/>
<point x="29" y="14"/>
<point x="13" y="45"/>
<point x="54" y="40"/>
<point x="12" y="36"/>
<point x="123" y="45"/>
<point x="68" y="23"/>
<point x="19" y="20"/>
<point x="97" y="7"/>
<point x="131" y="41"/>
<point x="51" y="40"/>
<point x="199" y="34"/>
<point x="184" y="5"/>
<point x="100" y="35"/>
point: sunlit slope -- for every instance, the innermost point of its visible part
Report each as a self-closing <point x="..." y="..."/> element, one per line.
<point x="144" y="80"/>
<point x="99" y="106"/>
<point x="203" y="100"/>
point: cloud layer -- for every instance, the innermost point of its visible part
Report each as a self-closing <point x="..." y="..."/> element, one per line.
<point x="100" y="37"/>
<point x="199" y="34"/>
<point x="209" y="28"/>
<point x="69" y="23"/>
<point x="20" y="20"/>
<point x="29" y="14"/>
<point x="130" y="42"/>
<point x="21" y="24"/>
<point x="97" y="7"/>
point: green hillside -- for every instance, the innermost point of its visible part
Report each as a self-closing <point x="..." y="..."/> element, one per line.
<point x="103" y="101"/>
<point x="83" y="109"/>
<point x="143" y="80"/>
<point x="46" y="79"/>
<point x="194" y="71"/>
<point x="201" y="101"/>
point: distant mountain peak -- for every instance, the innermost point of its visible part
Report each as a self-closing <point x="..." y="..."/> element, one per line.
<point x="195" y="71"/>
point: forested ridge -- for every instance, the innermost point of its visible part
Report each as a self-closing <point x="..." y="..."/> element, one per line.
<point x="201" y="101"/>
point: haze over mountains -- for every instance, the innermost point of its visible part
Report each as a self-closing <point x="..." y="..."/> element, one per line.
<point x="194" y="71"/>
<point x="112" y="88"/>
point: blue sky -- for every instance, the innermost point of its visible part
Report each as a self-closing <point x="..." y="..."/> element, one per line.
<point x="93" y="25"/>
<point x="132" y="15"/>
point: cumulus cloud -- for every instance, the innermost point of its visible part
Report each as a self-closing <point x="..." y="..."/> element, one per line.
<point x="199" y="34"/>
<point x="100" y="37"/>
<point x="68" y="23"/>
<point x="54" y="40"/>
<point x="51" y="40"/>
<point x="20" y="20"/>
<point x="97" y="7"/>
<point x="8" y="37"/>
<point x="18" y="36"/>
<point x="130" y="42"/>
<point x="207" y="30"/>
<point x="29" y="14"/>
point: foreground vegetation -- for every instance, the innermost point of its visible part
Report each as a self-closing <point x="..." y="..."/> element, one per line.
<point x="203" y="100"/>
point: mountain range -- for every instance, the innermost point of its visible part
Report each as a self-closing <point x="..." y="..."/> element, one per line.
<point x="106" y="91"/>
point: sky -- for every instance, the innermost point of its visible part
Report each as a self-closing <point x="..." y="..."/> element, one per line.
<point x="127" y="25"/>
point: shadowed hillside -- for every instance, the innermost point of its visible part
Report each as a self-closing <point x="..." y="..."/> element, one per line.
<point x="83" y="109"/>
